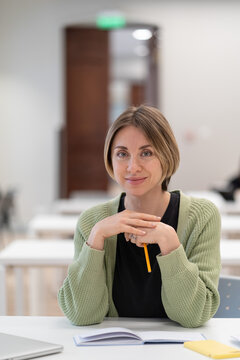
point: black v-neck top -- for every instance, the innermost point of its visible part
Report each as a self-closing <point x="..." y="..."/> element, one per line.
<point x="137" y="293"/>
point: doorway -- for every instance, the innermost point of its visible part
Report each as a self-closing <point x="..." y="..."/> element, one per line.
<point x="105" y="72"/>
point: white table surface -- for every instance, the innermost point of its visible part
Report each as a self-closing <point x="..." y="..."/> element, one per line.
<point x="65" y="225"/>
<point x="59" y="330"/>
<point x="54" y="252"/>
<point x="224" y="206"/>
<point x="53" y="224"/>
<point x="42" y="252"/>
<point x="232" y="207"/>
<point x="76" y="206"/>
<point x="230" y="252"/>
<point x="35" y="253"/>
<point x="230" y="225"/>
<point x="32" y="254"/>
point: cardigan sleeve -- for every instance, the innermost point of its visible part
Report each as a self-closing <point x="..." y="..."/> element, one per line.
<point x="190" y="276"/>
<point x="83" y="296"/>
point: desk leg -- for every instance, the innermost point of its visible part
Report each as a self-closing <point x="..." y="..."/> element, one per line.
<point x="19" y="297"/>
<point x="36" y="291"/>
<point x="3" y="296"/>
<point x="59" y="275"/>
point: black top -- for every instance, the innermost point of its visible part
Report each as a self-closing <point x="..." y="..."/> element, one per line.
<point x="137" y="293"/>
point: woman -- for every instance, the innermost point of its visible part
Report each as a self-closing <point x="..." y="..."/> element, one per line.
<point x="108" y="276"/>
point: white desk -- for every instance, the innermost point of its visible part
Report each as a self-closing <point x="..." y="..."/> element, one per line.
<point x="232" y="207"/>
<point x="32" y="254"/>
<point x="53" y="225"/>
<point x="224" y="206"/>
<point x="65" y="225"/>
<point x="230" y="252"/>
<point x="59" y="253"/>
<point x="75" y="206"/>
<point x="59" y="330"/>
<point x="230" y="225"/>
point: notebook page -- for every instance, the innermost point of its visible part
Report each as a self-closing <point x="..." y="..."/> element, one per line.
<point x="170" y="336"/>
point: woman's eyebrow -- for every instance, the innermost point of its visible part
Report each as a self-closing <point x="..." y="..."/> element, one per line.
<point x="145" y="146"/>
<point x="125" y="148"/>
<point x="120" y="147"/>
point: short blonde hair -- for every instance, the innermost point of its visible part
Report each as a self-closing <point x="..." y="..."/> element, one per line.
<point x="158" y="131"/>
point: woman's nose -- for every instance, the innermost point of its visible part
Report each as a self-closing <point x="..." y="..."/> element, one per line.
<point x="134" y="165"/>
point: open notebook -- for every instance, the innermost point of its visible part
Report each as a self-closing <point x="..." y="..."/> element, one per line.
<point x="123" y="336"/>
<point x="20" y="348"/>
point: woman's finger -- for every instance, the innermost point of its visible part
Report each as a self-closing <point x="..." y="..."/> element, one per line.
<point x="133" y="230"/>
<point x="139" y="243"/>
<point x="135" y="240"/>
<point x="143" y="216"/>
<point x="127" y="236"/>
<point x="142" y="223"/>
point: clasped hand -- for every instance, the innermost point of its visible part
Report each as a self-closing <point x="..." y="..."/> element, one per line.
<point x="162" y="234"/>
<point x="145" y="228"/>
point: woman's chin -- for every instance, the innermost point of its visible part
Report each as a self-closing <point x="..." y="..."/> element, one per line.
<point x="135" y="192"/>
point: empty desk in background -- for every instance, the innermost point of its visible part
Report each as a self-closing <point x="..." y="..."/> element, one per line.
<point x="230" y="226"/>
<point x="35" y="254"/>
<point x="225" y="207"/>
<point x="232" y="207"/>
<point x="59" y="330"/>
<point x="230" y="252"/>
<point x="53" y="225"/>
<point x="75" y="206"/>
<point x="65" y="225"/>
<point x="32" y="254"/>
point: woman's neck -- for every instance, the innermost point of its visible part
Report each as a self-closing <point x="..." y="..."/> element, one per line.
<point x="154" y="202"/>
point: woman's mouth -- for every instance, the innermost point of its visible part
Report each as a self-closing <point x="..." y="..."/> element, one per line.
<point x="135" y="180"/>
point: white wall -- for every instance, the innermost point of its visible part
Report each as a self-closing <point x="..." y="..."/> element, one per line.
<point x="199" y="81"/>
<point x="200" y="85"/>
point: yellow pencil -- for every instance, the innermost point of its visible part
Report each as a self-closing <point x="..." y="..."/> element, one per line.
<point x="147" y="258"/>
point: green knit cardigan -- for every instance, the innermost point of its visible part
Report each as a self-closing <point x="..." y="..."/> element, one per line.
<point x="189" y="274"/>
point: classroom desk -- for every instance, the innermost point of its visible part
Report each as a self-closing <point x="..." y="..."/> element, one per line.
<point x="75" y="206"/>
<point x="32" y="254"/>
<point x="232" y="207"/>
<point x="53" y="225"/>
<point x="230" y="252"/>
<point x="230" y="225"/>
<point x="65" y="225"/>
<point x="59" y="330"/>
<point x="224" y="206"/>
<point x="37" y="253"/>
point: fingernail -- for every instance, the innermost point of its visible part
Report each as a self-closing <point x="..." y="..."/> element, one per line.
<point x="143" y="232"/>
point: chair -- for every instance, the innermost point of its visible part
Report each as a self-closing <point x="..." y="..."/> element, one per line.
<point x="229" y="290"/>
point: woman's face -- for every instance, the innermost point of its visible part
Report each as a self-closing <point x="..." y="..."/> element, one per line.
<point x="136" y="166"/>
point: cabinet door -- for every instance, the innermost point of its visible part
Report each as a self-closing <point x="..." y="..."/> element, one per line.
<point x="87" y="72"/>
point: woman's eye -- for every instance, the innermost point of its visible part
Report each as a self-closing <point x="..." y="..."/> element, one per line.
<point x="147" y="153"/>
<point x="121" y="154"/>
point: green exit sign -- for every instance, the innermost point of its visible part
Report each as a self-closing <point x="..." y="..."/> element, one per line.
<point x="110" y="21"/>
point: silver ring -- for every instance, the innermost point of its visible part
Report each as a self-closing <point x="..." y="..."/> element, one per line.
<point x="133" y="237"/>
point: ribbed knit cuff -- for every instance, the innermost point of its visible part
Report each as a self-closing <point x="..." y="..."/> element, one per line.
<point x="91" y="258"/>
<point x="174" y="263"/>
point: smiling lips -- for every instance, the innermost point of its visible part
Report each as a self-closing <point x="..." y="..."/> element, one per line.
<point x="135" y="181"/>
